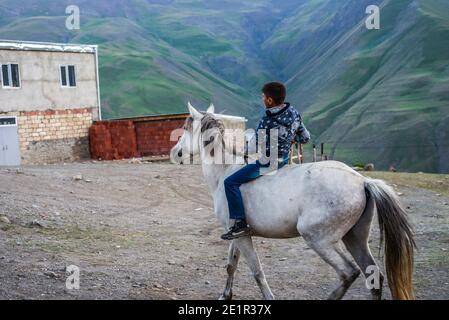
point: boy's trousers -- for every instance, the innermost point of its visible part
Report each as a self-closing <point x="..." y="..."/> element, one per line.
<point x="232" y="185"/>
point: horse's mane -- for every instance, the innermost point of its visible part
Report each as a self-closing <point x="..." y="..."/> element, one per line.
<point x="208" y="122"/>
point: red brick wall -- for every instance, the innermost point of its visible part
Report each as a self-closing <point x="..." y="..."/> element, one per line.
<point x="153" y="137"/>
<point x="113" y="140"/>
<point x="116" y="140"/>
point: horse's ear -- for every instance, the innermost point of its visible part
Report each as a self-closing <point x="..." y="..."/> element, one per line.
<point x="194" y="113"/>
<point x="211" y="109"/>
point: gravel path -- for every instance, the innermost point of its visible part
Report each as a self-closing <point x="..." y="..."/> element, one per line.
<point x="147" y="231"/>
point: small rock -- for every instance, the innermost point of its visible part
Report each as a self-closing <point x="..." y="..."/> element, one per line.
<point x="443" y="249"/>
<point x="198" y="209"/>
<point x="35" y="223"/>
<point x="171" y="262"/>
<point x="157" y="285"/>
<point x="393" y="169"/>
<point x="157" y="177"/>
<point x="135" y="161"/>
<point x="4" y="219"/>
<point x="19" y="171"/>
<point x="400" y="194"/>
<point x="50" y="274"/>
<point x="78" y="177"/>
<point x="87" y="180"/>
<point x="207" y="282"/>
<point x="369" y="167"/>
<point x="283" y="259"/>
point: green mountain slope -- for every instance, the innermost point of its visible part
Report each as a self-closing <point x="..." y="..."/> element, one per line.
<point x="380" y="95"/>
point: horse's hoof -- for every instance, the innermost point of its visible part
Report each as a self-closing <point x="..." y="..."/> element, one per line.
<point x="376" y="294"/>
<point x="225" y="297"/>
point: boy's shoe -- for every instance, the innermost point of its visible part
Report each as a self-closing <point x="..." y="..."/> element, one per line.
<point x="239" y="230"/>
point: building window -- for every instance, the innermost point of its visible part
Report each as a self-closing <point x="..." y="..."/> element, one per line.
<point x="10" y="75"/>
<point x="68" y="77"/>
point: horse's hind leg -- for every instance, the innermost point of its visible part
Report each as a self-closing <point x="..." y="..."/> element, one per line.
<point x="333" y="255"/>
<point x="356" y="241"/>
<point x="233" y="260"/>
<point x="245" y="245"/>
<point x="362" y="255"/>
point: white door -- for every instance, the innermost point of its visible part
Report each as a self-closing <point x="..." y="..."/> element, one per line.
<point x="9" y="142"/>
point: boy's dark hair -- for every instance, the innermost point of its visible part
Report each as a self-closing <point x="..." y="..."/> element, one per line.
<point x="275" y="91"/>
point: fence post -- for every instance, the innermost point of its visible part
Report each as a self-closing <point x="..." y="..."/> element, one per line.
<point x="300" y="154"/>
<point x="314" y="153"/>
<point x="290" y="158"/>
<point x="322" y="151"/>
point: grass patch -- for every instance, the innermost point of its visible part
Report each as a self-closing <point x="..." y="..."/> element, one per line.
<point x="89" y="240"/>
<point x="438" y="183"/>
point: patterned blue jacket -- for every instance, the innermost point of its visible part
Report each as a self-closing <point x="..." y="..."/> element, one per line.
<point x="290" y="125"/>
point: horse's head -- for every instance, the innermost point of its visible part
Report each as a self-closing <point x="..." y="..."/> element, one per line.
<point x="194" y="137"/>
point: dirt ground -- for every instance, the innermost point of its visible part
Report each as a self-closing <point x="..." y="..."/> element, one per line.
<point x="147" y="231"/>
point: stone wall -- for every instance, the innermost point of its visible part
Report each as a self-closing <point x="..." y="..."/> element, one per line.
<point x="53" y="136"/>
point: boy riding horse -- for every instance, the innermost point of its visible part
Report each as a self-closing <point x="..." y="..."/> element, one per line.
<point x="286" y="120"/>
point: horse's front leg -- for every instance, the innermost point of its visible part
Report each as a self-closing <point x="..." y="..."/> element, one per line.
<point x="233" y="260"/>
<point x="246" y="247"/>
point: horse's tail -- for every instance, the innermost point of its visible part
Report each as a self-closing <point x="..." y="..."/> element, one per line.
<point x="397" y="233"/>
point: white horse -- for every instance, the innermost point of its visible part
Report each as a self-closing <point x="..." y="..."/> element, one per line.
<point x="326" y="203"/>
